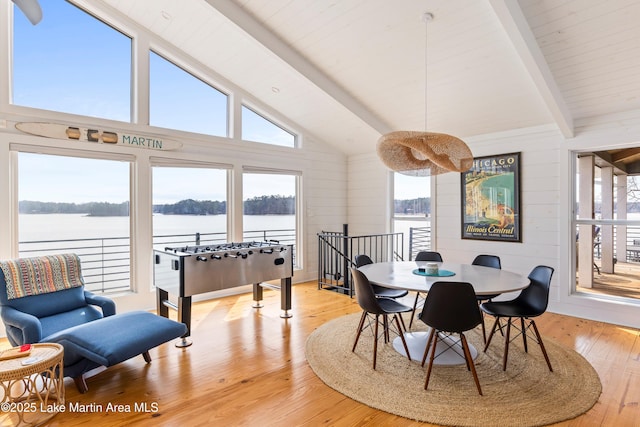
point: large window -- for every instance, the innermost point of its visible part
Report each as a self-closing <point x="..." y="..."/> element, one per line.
<point x="189" y="206"/>
<point x="179" y="100"/>
<point x="71" y="62"/>
<point x="257" y="128"/>
<point x="269" y="201"/>
<point x="81" y="205"/>
<point x="607" y="224"/>
<point x="412" y="212"/>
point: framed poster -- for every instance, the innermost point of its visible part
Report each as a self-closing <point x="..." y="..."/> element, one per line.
<point x="491" y="199"/>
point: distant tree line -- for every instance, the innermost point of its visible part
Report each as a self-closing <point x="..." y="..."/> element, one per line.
<point x="192" y="207"/>
<point x="421" y="205"/>
<point x="90" y="208"/>
<point x="262" y="205"/>
<point x="270" y="205"/>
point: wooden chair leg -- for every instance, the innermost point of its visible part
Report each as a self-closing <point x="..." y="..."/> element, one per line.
<point x="360" y="325"/>
<point x="506" y="345"/>
<point x="544" y="351"/>
<point x="493" y="331"/>
<point x="404" y="342"/>
<point x="375" y="343"/>
<point x="426" y="349"/>
<point x="385" y="328"/>
<point x="484" y="331"/>
<point x="81" y="384"/>
<point x="404" y="328"/>
<point x="413" y="312"/>
<point x="524" y="334"/>
<point x="434" y="338"/>
<point x="146" y="356"/>
<point x="470" y="364"/>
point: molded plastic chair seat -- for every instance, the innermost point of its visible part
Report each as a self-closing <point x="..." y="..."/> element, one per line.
<point x="531" y="302"/>
<point x="380" y="291"/>
<point x="391" y="306"/>
<point x="376" y="307"/>
<point x="509" y="309"/>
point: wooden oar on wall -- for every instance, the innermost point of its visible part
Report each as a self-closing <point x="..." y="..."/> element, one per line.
<point x="62" y="131"/>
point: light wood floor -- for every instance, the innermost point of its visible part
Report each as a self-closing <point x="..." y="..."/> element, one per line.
<point x="247" y="367"/>
<point x="624" y="282"/>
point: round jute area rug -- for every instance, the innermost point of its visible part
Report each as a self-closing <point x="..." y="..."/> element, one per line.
<point x="526" y="394"/>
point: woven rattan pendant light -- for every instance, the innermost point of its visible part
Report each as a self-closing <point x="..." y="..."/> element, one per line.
<point x="424" y="153"/>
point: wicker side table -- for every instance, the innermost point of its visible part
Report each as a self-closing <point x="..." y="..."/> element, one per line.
<point x="32" y="394"/>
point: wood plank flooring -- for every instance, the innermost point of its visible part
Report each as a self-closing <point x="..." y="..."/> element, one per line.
<point x="624" y="282"/>
<point x="247" y="367"/>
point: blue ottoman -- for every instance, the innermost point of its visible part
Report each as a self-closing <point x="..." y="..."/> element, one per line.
<point x="113" y="339"/>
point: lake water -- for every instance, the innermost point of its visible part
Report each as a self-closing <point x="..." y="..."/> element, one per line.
<point x="80" y="226"/>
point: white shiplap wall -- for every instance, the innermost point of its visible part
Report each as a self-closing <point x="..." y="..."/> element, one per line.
<point x="369" y="192"/>
<point x="325" y="198"/>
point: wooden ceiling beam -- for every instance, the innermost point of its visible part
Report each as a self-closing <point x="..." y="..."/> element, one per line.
<point x="524" y="41"/>
<point x="621" y="156"/>
<point x="298" y="62"/>
<point x="604" y="158"/>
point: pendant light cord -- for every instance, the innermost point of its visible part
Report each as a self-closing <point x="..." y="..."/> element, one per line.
<point x="426" y="18"/>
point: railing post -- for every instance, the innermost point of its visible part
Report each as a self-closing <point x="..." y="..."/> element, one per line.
<point x="197" y="239"/>
<point x="410" y="243"/>
<point x="102" y="263"/>
<point x="345" y="250"/>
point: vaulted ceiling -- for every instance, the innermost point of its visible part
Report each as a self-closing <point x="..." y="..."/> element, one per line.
<point x="346" y="71"/>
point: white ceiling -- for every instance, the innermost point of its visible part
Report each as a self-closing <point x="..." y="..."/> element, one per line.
<point x="349" y="70"/>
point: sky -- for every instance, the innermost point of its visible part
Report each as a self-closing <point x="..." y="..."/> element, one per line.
<point x="73" y="180"/>
<point x="408" y="187"/>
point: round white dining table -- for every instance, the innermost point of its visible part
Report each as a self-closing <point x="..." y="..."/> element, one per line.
<point x="405" y="275"/>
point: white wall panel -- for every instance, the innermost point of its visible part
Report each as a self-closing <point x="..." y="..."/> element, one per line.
<point x="368" y="190"/>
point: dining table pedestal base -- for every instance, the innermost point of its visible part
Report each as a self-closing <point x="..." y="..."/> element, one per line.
<point x="448" y="349"/>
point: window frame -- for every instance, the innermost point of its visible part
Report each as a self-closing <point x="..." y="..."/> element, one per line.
<point x="430" y="220"/>
<point x="298" y="175"/>
<point x="163" y="162"/>
<point x="15" y="149"/>
<point x="196" y="75"/>
<point x="273" y="121"/>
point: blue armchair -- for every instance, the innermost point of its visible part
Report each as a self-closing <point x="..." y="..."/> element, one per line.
<point x="42" y="299"/>
<point x="32" y="319"/>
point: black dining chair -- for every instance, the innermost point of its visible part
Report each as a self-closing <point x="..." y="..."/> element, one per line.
<point x="380" y="291"/>
<point x="451" y="308"/>
<point x="431" y="256"/>
<point x="531" y="302"/>
<point x="373" y="307"/>
<point x="492" y="261"/>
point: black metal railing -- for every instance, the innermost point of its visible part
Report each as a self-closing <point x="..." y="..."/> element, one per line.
<point x="173" y="240"/>
<point x="337" y="250"/>
<point x="419" y="240"/>
<point x="106" y="261"/>
<point x="632" y="240"/>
